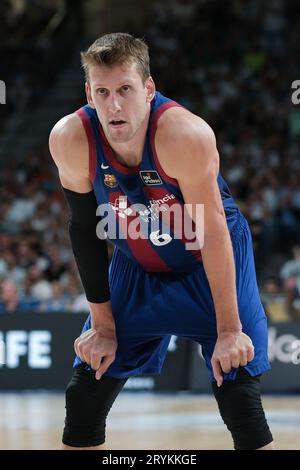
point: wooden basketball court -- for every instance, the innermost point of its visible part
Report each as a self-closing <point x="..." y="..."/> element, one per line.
<point x="141" y="421"/>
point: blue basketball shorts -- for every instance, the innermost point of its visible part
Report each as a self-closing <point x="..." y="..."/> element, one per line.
<point x="151" y="307"/>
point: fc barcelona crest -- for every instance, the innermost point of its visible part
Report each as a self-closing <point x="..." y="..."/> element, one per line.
<point x="110" y="181"/>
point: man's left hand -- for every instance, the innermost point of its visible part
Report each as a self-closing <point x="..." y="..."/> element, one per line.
<point x="232" y="350"/>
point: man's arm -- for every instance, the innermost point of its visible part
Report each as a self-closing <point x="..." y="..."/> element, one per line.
<point x="187" y="150"/>
<point x="69" y="149"/>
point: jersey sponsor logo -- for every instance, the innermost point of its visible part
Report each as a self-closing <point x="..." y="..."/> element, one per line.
<point x="132" y="217"/>
<point x="140" y="221"/>
<point x="147" y="213"/>
<point x="151" y="212"/>
<point x="150" y="177"/>
<point x="110" y="181"/>
<point x="120" y="207"/>
<point x="104" y="167"/>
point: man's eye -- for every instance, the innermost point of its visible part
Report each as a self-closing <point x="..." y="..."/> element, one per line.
<point x="101" y="91"/>
<point x="125" y="88"/>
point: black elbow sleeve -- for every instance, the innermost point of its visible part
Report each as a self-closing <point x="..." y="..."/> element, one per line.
<point x="89" y="251"/>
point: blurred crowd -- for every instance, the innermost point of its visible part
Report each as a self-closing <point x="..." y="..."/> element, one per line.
<point x="36" y="263"/>
<point x="30" y="33"/>
<point x="233" y="66"/>
<point x="37" y="272"/>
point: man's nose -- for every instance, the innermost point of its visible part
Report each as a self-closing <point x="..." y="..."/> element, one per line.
<point x="114" y="104"/>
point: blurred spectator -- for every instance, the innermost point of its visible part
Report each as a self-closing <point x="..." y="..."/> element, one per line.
<point x="290" y="274"/>
<point x="271" y="286"/>
<point x="58" y="301"/>
<point x="10" y="301"/>
<point x="55" y="266"/>
<point x="10" y="269"/>
<point x="40" y="288"/>
<point x="80" y="304"/>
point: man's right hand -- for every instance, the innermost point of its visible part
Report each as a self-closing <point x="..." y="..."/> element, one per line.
<point x="97" y="347"/>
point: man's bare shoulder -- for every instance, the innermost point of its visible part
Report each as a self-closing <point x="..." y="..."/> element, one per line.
<point x="68" y="132"/>
<point x="183" y="137"/>
<point x="69" y="147"/>
<point x="178" y="123"/>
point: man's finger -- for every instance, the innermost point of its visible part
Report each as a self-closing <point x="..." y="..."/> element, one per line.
<point x="235" y="361"/>
<point x="75" y="346"/>
<point x="105" y="363"/>
<point x="85" y="356"/>
<point x="79" y="350"/>
<point x="225" y="364"/>
<point x="96" y="361"/>
<point x="250" y="353"/>
<point x="243" y="358"/>
<point x="217" y="371"/>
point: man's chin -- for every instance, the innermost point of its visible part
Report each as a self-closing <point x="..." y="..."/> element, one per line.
<point x="119" y="139"/>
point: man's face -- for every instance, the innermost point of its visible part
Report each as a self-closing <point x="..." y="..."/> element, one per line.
<point x="120" y="99"/>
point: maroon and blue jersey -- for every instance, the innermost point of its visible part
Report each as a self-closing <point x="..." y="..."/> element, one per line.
<point x="159" y="287"/>
<point x="162" y="244"/>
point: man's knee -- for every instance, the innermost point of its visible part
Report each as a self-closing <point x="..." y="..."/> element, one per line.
<point x="88" y="402"/>
<point x="240" y="406"/>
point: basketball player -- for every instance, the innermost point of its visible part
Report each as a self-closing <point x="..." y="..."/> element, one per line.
<point x="130" y="145"/>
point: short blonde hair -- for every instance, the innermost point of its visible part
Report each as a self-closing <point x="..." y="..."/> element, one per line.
<point x="117" y="49"/>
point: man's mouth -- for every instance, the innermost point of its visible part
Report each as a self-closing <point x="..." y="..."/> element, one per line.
<point x="117" y="123"/>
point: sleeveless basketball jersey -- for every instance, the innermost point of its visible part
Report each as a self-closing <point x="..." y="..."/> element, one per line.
<point x="141" y="203"/>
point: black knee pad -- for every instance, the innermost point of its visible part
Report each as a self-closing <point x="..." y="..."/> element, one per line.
<point x="88" y="402"/>
<point x="240" y="406"/>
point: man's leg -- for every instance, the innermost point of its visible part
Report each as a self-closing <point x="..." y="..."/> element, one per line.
<point x="88" y="402"/>
<point x="240" y="406"/>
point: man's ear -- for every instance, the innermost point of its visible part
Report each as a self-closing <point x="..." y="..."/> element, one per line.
<point x="150" y="86"/>
<point x="89" y="95"/>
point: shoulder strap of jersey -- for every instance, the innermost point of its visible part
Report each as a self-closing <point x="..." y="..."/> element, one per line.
<point x="157" y="112"/>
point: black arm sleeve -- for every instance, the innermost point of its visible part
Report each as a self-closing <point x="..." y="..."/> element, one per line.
<point x="90" y="252"/>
